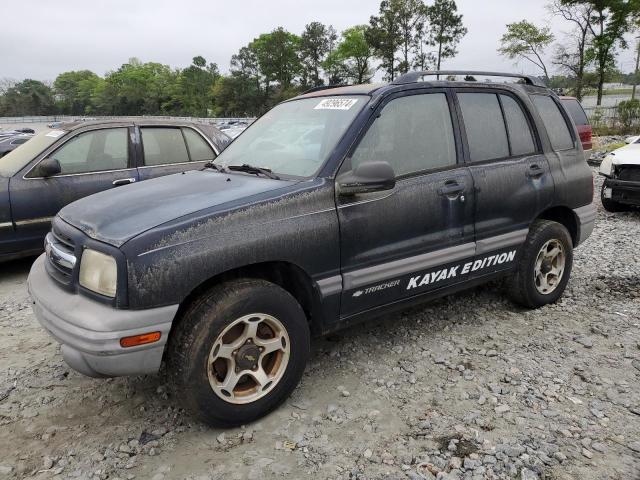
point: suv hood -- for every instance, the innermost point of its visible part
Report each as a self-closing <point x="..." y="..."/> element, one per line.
<point x="117" y="215"/>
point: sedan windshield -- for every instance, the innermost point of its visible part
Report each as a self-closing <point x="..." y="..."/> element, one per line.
<point x="294" y="138"/>
<point x="14" y="161"/>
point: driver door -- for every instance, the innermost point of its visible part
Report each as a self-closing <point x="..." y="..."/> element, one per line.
<point x="90" y="162"/>
<point x="392" y="241"/>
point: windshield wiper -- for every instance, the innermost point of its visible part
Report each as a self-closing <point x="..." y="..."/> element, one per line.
<point x="253" y="169"/>
<point x="215" y="166"/>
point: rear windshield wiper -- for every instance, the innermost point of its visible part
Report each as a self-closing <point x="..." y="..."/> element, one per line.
<point x="253" y="169"/>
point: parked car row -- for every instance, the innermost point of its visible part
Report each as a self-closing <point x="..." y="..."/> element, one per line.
<point x="334" y="207"/>
<point x="59" y="166"/>
<point x="11" y="142"/>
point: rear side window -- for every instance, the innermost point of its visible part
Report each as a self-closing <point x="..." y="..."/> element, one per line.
<point x="163" y="146"/>
<point x="199" y="150"/>
<point x="483" y="122"/>
<point x="554" y="122"/>
<point x="575" y="111"/>
<point x="520" y="135"/>
<point x="412" y="133"/>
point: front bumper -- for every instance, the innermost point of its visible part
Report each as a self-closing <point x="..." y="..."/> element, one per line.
<point x="586" y="221"/>
<point x="90" y="331"/>
<point x="624" y="191"/>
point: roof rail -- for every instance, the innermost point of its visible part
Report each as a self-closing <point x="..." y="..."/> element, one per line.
<point x="413" y="77"/>
<point x="323" y="87"/>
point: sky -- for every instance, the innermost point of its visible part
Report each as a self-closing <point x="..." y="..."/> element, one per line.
<point x="47" y="38"/>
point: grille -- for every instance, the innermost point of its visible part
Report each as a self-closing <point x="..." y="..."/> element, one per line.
<point x="629" y="173"/>
<point x="60" y="255"/>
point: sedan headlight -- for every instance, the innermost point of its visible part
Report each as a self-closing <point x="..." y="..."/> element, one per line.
<point x="606" y="167"/>
<point x="98" y="272"/>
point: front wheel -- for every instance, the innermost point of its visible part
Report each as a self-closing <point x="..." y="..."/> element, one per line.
<point x="543" y="271"/>
<point x="238" y="352"/>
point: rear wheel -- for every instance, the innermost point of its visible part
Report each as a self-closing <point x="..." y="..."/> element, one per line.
<point x="611" y="205"/>
<point x="238" y="352"/>
<point x="543" y="270"/>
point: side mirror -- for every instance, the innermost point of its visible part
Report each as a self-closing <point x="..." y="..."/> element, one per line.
<point x="48" y="168"/>
<point x="367" y="177"/>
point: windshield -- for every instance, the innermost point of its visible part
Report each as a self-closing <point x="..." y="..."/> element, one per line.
<point x="294" y="138"/>
<point x="14" y="161"/>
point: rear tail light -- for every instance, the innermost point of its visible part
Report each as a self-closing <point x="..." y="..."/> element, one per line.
<point x="586" y="138"/>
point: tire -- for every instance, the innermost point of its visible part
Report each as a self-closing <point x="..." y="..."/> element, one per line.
<point x="217" y="325"/>
<point x="523" y="285"/>
<point x="611" y="205"/>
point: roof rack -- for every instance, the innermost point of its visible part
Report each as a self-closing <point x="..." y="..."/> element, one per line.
<point x="413" y="77"/>
<point x="323" y="87"/>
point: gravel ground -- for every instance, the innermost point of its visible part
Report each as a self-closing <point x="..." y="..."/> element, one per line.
<point x="468" y="387"/>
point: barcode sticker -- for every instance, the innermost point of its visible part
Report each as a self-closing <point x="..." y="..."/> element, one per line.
<point x="336" y="104"/>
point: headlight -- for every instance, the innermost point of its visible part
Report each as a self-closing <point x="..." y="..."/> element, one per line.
<point x="98" y="272"/>
<point x="606" y="167"/>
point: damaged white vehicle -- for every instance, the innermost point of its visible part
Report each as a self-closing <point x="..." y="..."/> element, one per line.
<point x="621" y="188"/>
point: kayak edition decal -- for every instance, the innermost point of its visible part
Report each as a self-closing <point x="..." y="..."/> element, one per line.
<point x="437" y="276"/>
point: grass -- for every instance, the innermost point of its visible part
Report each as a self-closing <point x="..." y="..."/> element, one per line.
<point x="606" y="148"/>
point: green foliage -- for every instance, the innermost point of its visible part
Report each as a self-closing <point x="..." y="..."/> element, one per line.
<point x="446" y="29"/>
<point x="273" y="67"/>
<point x="353" y="56"/>
<point x="629" y="113"/>
<point x="525" y="41"/>
<point x="277" y="57"/>
<point x="610" y="21"/>
<point x="314" y="48"/>
<point x="27" y="96"/>
<point x="73" y="91"/>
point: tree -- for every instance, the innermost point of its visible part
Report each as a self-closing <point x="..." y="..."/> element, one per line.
<point x="333" y="70"/>
<point x="29" y="97"/>
<point x="573" y="58"/>
<point x="410" y="16"/>
<point x="610" y="20"/>
<point x="138" y="88"/>
<point x="353" y="55"/>
<point x="237" y="95"/>
<point x="524" y="40"/>
<point x="74" y="91"/>
<point x="385" y="37"/>
<point x="446" y="29"/>
<point x="194" y="87"/>
<point x="314" y="47"/>
<point x="277" y="56"/>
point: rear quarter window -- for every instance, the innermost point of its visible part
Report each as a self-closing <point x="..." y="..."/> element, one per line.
<point x="554" y="122"/>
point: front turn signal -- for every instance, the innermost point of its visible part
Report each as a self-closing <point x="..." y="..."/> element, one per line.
<point x="141" y="339"/>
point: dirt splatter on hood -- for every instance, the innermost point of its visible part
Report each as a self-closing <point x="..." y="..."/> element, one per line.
<point x="115" y="216"/>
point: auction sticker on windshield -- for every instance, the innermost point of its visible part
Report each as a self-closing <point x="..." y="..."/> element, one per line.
<point x="336" y="104"/>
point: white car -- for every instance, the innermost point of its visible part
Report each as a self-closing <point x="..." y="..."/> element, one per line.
<point x="621" y="169"/>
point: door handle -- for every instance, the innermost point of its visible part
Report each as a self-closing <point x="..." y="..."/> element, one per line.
<point x="535" y="171"/>
<point x="451" y="189"/>
<point x="123" y="181"/>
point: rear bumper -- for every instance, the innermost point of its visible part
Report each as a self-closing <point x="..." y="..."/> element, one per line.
<point x="90" y="331"/>
<point x="623" y="191"/>
<point x="586" y="220"/>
